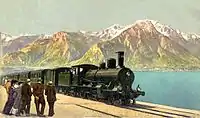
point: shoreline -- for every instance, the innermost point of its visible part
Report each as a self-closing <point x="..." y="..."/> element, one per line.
<point x="165" y="71"/>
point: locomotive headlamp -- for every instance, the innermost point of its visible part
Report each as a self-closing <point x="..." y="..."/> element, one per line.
<point x="138" y="88"/>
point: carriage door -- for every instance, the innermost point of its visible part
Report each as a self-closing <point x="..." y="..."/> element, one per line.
<point x="64" y="77"/>
<point x="78" y="74"/>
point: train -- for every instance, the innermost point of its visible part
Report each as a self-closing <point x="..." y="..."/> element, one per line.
<point x="108" y="82"/>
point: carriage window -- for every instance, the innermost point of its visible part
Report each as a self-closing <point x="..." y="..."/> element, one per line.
<point x="73" y="71"/>
<point x="64" y="78"/>
<point x="49" y="76"/>
<point x="76" y="70"/>
<point x="81" y="69"/>
<point x="52" y="74"/>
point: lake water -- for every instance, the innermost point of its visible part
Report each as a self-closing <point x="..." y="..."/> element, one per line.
<point x="177" y="89"/>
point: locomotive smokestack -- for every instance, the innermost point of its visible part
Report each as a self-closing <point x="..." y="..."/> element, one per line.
<point x="120" y="59"/>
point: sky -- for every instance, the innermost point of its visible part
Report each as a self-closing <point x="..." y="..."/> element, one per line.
<point x="49" y="16"/>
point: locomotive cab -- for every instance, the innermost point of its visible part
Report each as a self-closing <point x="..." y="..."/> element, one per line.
<point x="79" y="72"/>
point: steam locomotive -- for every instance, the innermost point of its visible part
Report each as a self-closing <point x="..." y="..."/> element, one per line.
<point x="111" y="84"/>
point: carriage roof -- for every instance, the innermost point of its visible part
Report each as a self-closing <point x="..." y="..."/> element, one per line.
<point x="61" y="68"/>
<point x="91" y="66"/>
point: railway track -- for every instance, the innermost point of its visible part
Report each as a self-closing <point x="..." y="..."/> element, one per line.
<point x="105" y="113"/>
<point x="147" y="108"/>
<point x="155" y="111"/>
<point x="167" y="108"/>
<point x="161" y="112"/>
<point x="144" y="110"/>
<point x="89" y="108"/>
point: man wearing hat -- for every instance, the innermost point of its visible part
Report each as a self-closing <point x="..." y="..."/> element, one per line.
<point x="50" y="92"/>
<point x="38" y="93"/>
<point x="26" y="94"/>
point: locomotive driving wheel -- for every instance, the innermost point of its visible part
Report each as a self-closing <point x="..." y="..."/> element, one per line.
<point x="85" y="96"/>
<point x="77" y="94"/>
<point x="82" y="95"/>
<point x="118" y="102"/>
<point x="109" y="101"/>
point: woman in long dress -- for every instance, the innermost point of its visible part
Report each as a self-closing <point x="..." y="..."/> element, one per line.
<point x="11" y="98"/>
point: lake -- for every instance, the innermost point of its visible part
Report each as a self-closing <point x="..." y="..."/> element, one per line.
<point x="177" y="89"/>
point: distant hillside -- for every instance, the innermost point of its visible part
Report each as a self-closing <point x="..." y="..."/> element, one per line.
<point x="52" y="51"/>
<point x="147" y="44"/>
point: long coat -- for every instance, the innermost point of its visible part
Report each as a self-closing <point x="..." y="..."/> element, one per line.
<point x="9" y="104"/>
<point x="50" y="92"/>
<point x="18" y="95"/>
<point x="38" y="90"/>
<point x="26" y="92"/>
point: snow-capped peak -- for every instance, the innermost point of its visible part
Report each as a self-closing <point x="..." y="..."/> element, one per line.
<point x="170" y="32"/>
<point x="26" y="34"/>
<point x="115" y="27"/>
<point x="82" y="31"/>
<point x="110" y="32"/>
<point x="5" y="37"/>
<point x="46" y="36"/>
<point x="164" y="29"/>
<point x="189" y="36"/>
<point x="23" y="34"/>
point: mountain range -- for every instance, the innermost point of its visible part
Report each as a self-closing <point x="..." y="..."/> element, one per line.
<point x="147" y="44"/>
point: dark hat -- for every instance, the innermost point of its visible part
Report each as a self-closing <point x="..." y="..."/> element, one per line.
<point x="13" y="82"/>
<point x="20" y="83"/>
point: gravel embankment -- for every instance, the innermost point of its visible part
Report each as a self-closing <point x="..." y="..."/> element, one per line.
<point x="70" y="107"/>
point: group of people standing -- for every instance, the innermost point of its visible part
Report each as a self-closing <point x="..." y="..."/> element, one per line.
<point x="19" y="97"/>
